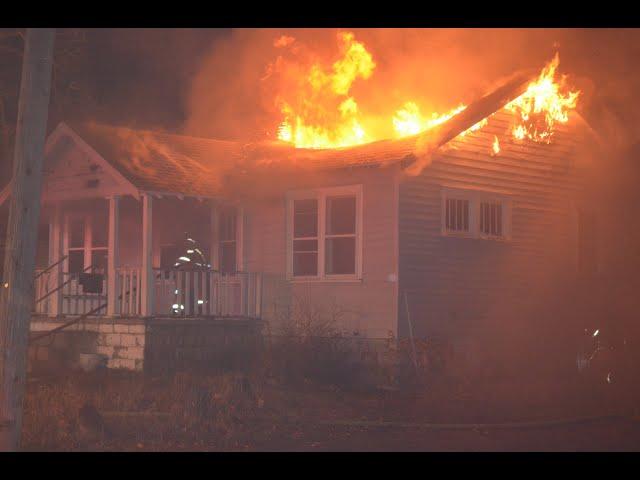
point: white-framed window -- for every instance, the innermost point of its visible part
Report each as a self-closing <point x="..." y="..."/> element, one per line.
<point x="476" y="214"/>
<point x="324" y="233"/>
<point x="226" y="250"/>
<point x="86" y="239"/>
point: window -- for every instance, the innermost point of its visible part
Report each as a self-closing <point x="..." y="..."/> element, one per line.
<point x="491" y="219"/>
<point x="87" y="238"/>
<point x="227" y="240"/>
<point x="305" y="237"/>
<point x="457" y="215"/>
<point x="475" y="214"/>
<point x="325" y="238"/>
<point x="340" y="237"/>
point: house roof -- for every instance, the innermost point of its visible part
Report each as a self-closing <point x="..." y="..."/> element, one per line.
<point x="163" y="162"/>
<point x="192" y="166"/>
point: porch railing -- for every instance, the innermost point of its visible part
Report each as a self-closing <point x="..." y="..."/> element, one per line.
<point x="75" y="301"/>
<point x="129" y="293"/>
<point x="184" y="293"/>
<point x="207" y="293"/>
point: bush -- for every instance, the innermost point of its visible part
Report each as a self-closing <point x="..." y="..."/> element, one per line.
<point x="310" y="347"/>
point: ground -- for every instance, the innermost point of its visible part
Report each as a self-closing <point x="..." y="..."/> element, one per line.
<point x="237" y="411"/>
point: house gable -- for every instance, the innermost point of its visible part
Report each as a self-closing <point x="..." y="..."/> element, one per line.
<point x="73" y="170"/>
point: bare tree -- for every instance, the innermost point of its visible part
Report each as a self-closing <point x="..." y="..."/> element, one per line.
<point x="16" y="294"/>
<point x="70" y="92"/>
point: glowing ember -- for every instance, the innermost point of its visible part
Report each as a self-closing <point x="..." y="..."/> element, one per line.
<point x="495" y="146"/>
<point x="409" y="121"/>
<point x="542" y="105"/>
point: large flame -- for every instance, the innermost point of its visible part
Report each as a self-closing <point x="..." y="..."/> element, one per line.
<point x="323" y="113"/>
<point x="542" y="105"/>
<point x="313" y="127"/>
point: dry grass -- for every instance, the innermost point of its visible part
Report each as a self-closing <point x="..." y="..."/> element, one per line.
<point x="137" y="411"/>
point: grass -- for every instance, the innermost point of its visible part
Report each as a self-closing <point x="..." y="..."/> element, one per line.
<point x="238" y="411"/>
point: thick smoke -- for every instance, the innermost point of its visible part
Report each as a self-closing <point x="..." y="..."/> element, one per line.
<point x="437" y="68"/>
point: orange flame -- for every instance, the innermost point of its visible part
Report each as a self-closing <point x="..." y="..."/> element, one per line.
<point x="542" y="105"/>
<point x="495" y="146"/>
<point x="309" y="128"/>
<point x="408" y="120"/>
<point x="321" y="111"/>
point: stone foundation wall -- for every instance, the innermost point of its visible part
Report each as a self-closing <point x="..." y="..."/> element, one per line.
<point x="157" y="345"/>
<point x="121" y="341"/>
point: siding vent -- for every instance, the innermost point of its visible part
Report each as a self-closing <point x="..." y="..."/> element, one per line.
<point x="93" y="183"/>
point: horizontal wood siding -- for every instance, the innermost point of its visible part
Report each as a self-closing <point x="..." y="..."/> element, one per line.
<point x="452" y="285"/>
<point x="367" y="307"/>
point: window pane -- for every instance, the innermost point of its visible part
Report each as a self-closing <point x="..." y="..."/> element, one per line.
<point x="168" y="256"/>
<point x="341" y="215"/>
<point x="99" y="261"/>
<point x="76" y="233"/>
<point x="228" y="224"/>
<point x="491" y="219"/>
<point x="99" y="236"/>
<point x="305" y="263"/>
<point x="76" y="261"/>
<point x="457" y="215"/>
<point x="305" y="245"/>
<point x="340" y="255"/>
<point x="305" y="218"/>
<point x="228" y="257"/>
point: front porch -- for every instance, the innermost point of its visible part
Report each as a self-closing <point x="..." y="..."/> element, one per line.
<point x="165" y="308"/>
<point x="85" y="277"/>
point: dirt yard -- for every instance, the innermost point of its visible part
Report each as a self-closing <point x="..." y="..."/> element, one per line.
<point x="123" y="411"/>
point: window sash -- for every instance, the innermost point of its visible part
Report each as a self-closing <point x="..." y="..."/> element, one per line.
<point x="322" y="196"/>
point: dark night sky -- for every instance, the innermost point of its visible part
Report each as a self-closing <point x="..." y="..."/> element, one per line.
<point x="141" y="76"/>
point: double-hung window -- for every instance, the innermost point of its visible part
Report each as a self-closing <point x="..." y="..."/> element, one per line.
<point x="325" y="233"/>
<point x="86" y="244"/>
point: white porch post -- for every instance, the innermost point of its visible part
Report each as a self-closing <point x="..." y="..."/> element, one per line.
<point x="113" y="259"/>
<point x="56" y="252"/>
<point x="147" y="284"/>
<point x="214" y="256"/>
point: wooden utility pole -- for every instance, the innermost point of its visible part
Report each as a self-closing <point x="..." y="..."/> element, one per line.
<point x="16" y="290"/>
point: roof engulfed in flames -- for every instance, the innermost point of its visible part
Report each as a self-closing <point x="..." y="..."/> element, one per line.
<point x="327" y="116"/>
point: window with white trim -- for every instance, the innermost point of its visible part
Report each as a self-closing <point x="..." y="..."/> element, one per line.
<point x="476" y="214"/>
<point x="227" y="251"/>
<point x="325" y="239"/>
<point x="87" y="239"/>
<point x="491" y="219"/>
<point x="457" y="214"/>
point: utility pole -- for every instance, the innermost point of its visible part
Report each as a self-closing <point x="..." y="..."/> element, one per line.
<point x="16" y="291"/>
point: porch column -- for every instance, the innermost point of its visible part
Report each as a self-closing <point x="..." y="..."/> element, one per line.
<point x="147" y="284"/>
<point x="214" y="256"/>
<point x="56" y="252"/>
<point x="113" y="259"/>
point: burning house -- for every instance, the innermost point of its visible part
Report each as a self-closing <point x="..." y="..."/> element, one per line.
<point x="419" y="236"/>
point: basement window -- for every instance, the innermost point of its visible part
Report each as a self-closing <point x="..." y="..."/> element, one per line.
<point x="476" y="214"/>
<point x="324" y="228"/>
